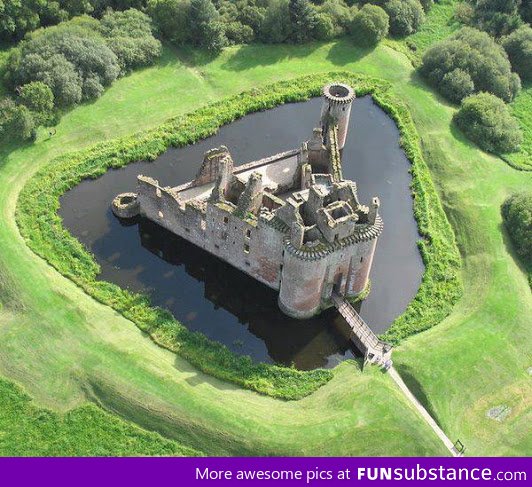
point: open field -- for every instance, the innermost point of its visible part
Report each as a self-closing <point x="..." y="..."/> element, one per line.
<point x="65" y="349"/>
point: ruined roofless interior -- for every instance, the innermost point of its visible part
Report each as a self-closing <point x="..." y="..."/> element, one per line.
<point x="289" y="220"/>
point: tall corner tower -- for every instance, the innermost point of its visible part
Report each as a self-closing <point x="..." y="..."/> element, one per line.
<point x="336" y="109"/>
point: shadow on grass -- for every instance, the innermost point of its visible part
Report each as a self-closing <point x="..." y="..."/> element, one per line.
<point x="524" y="266"/>
<point x="254" y="55"/>
<point x="417" y="389"/>
<point x="344" y="52"/>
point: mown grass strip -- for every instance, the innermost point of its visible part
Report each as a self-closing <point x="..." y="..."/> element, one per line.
<point x="42" y="228"/>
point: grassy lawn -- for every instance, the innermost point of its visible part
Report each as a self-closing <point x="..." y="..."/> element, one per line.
<point x="521" y="110"/>
<point x="29" y="430"/>
<point x="65" y="349"/>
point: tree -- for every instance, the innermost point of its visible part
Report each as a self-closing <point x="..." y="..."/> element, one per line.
<point x="206" y="30"/>
<point x="340" y="14"/>
<point x="303" y="18"/>
<point x="476" y="54"/>
<point x="485" y="119"/>
<point x="456" y="85"/>
<point x="518" y="46"/>
<point x="517" y="215"/>
<point x="276" y="27"/>
<point x="405" y="16"/>
<point x="324" y="29"/>
<point x="39" y="99"/>
<point x="370" y="25"/>
<point x="426" y="4"/>
<point x="252" y="15"/>
<point x="16" y="121"/>
<point x="19" y="16"/>
<point x="238" y="33"/>
<point x="171" y="18"/>
<point x="497" y="17"/>
<point x="129" y="35"/>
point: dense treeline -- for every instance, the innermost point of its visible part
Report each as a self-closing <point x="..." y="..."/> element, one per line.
<point x="517" y="216"/>
<point x="215" y="23"/>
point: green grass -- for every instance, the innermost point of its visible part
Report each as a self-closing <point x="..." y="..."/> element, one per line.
<point x="67" y="349"/>
<point x="27" y="430"/>
<point x="521" y="108"/>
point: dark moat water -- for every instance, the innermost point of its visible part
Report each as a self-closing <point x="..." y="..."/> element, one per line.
<point x="210" y="296"/>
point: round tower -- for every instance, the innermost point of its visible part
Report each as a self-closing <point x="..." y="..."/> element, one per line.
<point x="336" y="108"/>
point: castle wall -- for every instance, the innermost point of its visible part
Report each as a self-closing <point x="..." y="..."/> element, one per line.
<point x="254" y="248"/>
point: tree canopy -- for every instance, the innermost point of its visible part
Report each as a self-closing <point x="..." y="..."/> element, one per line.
<point x="517" y="215"/>
<point x="405" y="16"/>
<point x="370" y="25"/>
<point x="486" y="120"/>
<point x="518" y="46"/>
<point x="471" y="58"/>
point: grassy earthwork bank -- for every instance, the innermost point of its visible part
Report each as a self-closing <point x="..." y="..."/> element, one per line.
<point x="66" y="348"/>
<point x="42" y="227"/>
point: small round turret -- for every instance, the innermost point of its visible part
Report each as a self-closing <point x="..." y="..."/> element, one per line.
<point x="336" y="109"/>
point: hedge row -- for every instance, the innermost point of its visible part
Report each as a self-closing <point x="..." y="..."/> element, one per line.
<point x="42" y="228"/>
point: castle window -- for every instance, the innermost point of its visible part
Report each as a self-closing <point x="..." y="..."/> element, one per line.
<point x="226" y="219"/>
<point x="161" y="214"/>
<point x="246" y="248"/>
<point x="361" y="259"/>
<point x="247" y="263"/>
<point x="281" y="268"/>
<point x="248" y="233"/>
<point x="187" y="230"/>
<point x="216" y="246"/>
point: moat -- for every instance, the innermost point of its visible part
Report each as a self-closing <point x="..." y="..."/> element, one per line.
<point x="209" y="295"/>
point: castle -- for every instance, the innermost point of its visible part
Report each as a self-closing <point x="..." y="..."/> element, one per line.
<point x="289" y="220"/>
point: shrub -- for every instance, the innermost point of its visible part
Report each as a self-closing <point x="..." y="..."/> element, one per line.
<point x="517" y="215"/>
<point x="485" y="119"/>
<point x="476" y="54"/>
<point x="518" y="46"/>
<point x="171" y="18"/>
<point x="370" y="25"/>
<point x="405" y="16"/>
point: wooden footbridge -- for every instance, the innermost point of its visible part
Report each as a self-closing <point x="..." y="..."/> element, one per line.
<point x="374" y="349"/>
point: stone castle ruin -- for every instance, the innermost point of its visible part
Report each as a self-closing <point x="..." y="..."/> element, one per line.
<point x="290" y="220"/>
